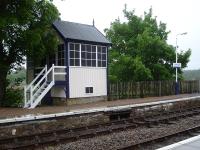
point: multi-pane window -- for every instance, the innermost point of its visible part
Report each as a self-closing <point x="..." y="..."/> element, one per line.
<point x="74" y="50"/>
<point x="61" y="55"/>
<point x="88" y="55"/>
<point x="89" y="90"/>
<point x="101" y="56"/>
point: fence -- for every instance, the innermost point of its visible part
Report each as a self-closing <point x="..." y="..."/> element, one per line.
<point x="122" y="90"/>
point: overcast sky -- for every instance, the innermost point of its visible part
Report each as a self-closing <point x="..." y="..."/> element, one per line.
<point x="179" y="15"/>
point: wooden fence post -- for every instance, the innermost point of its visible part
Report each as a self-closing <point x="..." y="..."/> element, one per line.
<point x="133" y="89"/>
<point x="160" y="88"/>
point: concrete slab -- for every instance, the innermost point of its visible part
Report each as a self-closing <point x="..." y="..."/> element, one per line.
<point x="188" y="144"/>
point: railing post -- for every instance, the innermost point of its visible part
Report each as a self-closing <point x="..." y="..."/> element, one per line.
<point x="46" y="72"/>
<point x="53" y="77"/>
<point x="25" y="98"/>
<point x="31" y="95"/>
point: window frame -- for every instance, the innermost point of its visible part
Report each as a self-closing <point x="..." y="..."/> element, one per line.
<point x="101" y="54"/>
<point x="60" y="61"/>
<point x="93" y="55"/>
<point x="89" y="90"/>
<point x="76" y="60"/>
<point x="88" y="62"/>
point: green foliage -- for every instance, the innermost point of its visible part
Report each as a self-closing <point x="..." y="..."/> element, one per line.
<point x="14" y="98"/>
<point x="17" y="77"/>
<point x="191" y="74"/>
<point x="126" y="68"/>
<point x="14" y="90"/>
<point x="140" y="50"/>
<point x="25" y="30"/>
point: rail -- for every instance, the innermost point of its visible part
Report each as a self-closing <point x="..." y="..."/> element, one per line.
<point x="74" y="134"/>
<point x="36" y="90"/>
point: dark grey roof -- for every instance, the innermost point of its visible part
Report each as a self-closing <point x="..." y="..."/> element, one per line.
<point x="71" y="30"/>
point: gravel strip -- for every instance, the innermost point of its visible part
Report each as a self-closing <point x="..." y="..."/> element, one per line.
<point x="120" y="139"/>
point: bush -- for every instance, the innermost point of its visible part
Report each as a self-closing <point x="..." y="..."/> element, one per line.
<point x="13" y="98"/>
<point x="14" y="91"/>
<point x="17" y="77"/>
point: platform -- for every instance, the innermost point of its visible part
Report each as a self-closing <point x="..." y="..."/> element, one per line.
<point x="8" y="115"/>
<point x="188" y="144"/>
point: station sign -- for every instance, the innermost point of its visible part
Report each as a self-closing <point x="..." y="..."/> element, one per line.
<point x="176" y="65"/>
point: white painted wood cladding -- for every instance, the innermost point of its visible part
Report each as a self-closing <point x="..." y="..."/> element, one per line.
<point x="82" y="77"/>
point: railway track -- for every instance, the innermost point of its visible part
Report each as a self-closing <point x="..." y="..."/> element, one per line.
<point x="160" y="138"/>
<point x="166" y="117"/>
<point x="64" y="135"/>
<point x="69" y="135"/>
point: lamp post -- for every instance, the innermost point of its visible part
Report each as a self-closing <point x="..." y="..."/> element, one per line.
<point x="177" y="66"/>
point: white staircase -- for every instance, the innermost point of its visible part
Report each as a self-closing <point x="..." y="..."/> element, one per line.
<point x="41" y="85"/>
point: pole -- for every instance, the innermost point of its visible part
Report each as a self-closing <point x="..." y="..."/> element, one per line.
<point x="177" y="85"/>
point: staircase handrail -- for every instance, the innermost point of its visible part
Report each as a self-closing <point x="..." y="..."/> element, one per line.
<point x="35" y="86"/>
<point x="35" y="79"/>
<point x="45" y="76"/>
<point x="60" y="67"/>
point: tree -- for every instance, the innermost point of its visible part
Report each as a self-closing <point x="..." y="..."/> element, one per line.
<point x="140" y="50"/>
<point x="25" y="30"/>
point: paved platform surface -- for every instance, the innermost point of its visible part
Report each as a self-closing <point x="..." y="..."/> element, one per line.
<point x="188" y="144"/>
<point x="43" y="110"/>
